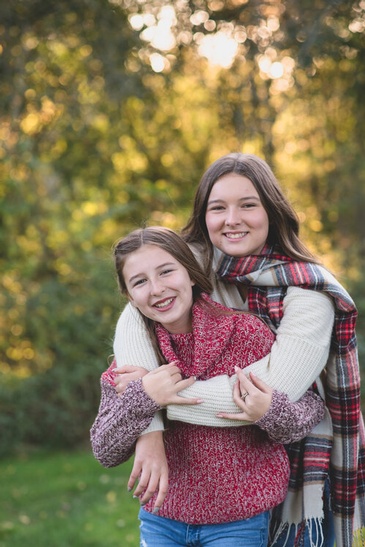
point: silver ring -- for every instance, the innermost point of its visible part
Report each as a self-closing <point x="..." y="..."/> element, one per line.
<point x="244" y="395"/>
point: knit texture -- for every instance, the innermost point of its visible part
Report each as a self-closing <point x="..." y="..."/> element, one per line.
<point x="219" y="475"/>
<point x="267" y="277"/>
<point x="287" y="422"/>
<point x="207" y="465"/>
<point x="120" y="420"/>
<point x="296" y="360"/>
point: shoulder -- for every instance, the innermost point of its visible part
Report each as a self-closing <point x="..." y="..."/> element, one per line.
<point x="215" y="308"/>
<point x="129" y="317"/>
<point x="241" y="320"/>
<point x="299" y="296"/>
<point x="308" y="314"/>
<point x="247" y="323"/>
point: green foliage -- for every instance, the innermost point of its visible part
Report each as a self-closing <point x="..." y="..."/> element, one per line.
<point x="94" y="142"/>
<point x="64" y="499"/>
<point x="70" y="325"/>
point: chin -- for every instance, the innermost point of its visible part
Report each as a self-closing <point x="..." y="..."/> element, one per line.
<point x="235" y="252"/>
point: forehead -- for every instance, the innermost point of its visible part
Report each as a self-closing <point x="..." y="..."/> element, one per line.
<point x="146" y="258"/>
<point x="233" y="183"/>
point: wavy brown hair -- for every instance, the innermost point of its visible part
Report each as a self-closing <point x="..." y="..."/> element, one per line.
<point x="173" y="244"/>
<point x="283" y="220"/>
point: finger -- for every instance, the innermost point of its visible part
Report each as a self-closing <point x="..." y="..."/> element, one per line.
<point x="176" y="377"/>
<point x="179" y="399"/>
<point x="120" y="388"/>
<point x="187" y="382"/>
<point x="162" y="491"/>
<point x="184" y="401"/>
<point x="237" y="388"/>
<point x="124" y="379"/>
<point x="133" y="477"/>
<point x="173" y="364"/>
<point x="239" y="372"/>
<point x="245" y="382"/>
<point x="260" y="384"/>
<point x="242" y="377"/>
<point x="125" y="369"/>
<point x="142" y="484"/>
<point x="169" y="370"/>
<point x="149" y="490"/>
<point x="237" y="396"/>
<point x="239" y="416"/>
<point x="170" y="367"/>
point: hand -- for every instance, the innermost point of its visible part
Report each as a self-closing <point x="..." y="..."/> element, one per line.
<point x="127" y="374"/>
<point x="257" y="401"/>
<point x="164" y="383"/>
<point x="150" y="469"/>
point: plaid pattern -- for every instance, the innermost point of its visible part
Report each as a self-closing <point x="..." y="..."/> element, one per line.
<point x="267" y="277"/>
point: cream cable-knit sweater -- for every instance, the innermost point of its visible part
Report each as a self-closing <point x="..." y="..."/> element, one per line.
<point x="297" y="358"/>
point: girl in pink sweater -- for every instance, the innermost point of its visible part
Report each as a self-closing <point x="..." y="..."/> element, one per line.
<point x="222" y="481"/>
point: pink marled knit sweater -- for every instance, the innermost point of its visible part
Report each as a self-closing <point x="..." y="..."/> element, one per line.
<point x="220" y="475"/>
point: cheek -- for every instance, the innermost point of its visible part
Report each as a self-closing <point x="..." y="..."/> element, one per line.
<point x="136" y="299"/>
<point x="211" y="224"/>
<point x="262" y="222"/>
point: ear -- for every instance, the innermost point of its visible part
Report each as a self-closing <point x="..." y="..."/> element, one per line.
<point x="192" y="283"/>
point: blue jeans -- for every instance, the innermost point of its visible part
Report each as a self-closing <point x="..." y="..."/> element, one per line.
<point x="156" y="531"/>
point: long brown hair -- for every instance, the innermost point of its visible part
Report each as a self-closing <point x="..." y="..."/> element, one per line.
<point x="283" y="220"/>
<point x="173" y="244"/>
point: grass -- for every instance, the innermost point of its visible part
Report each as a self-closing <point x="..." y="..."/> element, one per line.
<point x="66" y="500"/>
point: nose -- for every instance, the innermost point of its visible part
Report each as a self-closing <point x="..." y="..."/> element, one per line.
<point x="156" y="287"/>
<point x="233" y="217"/>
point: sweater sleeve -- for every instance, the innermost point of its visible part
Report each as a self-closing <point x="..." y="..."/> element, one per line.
<point x="297" y="357"/>
<point x="286" y="422"/>
<point x="132" y="346"/>
<point x="120" y="421"/>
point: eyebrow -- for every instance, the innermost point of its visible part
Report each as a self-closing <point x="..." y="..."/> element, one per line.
<point x="159" y="266"/>
<point x="240" y="199"/>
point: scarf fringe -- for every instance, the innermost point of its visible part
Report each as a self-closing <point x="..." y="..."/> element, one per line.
<point x="316" y="538"/>
<point x="315" y="534"/>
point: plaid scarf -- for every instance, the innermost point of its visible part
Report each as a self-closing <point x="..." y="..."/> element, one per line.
<point x="267" y="277"/>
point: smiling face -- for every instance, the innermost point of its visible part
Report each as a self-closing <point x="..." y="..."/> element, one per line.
<point x="160" y="287"/>
<point x="236" y="220"/>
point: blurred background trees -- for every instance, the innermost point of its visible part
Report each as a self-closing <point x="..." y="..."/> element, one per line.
<point x="109" y="113"/>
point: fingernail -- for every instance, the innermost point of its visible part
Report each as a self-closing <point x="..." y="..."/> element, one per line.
<point x="135" y="497"/>
<point x="155" y="510"/>
<point x="129" y="488"/>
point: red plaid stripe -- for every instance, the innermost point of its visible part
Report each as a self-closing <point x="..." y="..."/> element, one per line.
<point x="343" y="400"/>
